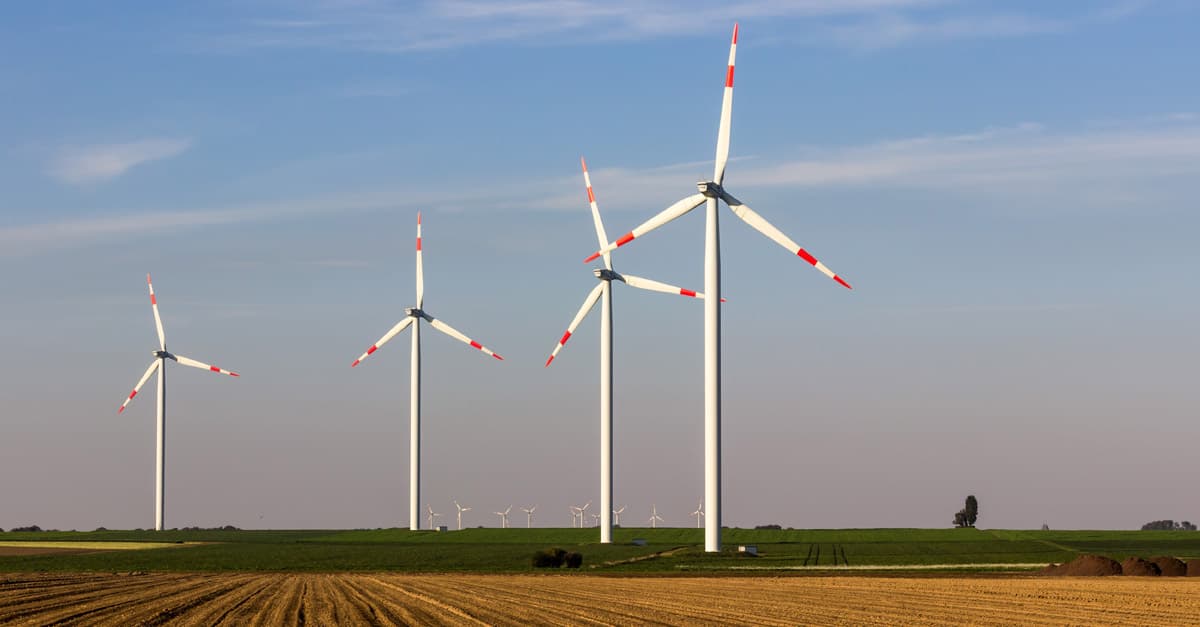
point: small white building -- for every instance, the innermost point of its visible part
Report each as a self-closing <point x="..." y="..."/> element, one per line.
<point x="748" y="549"/>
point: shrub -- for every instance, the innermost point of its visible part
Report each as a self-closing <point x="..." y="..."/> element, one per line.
<point x="29" y="528"/>
<point x="549" y="558"/>
<point x="574" y="560"/>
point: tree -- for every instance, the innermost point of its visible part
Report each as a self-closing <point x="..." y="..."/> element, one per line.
<point x="967" y="516"/>
<point x="972" y="510"/>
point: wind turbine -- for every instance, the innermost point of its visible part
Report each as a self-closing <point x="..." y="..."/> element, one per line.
<point x="414" y="315"/>
<point x="699" y="513"/>
<point x="582" y="513"/>
<point x="709" y="193"/>
<point x="617" y="516"/>
<point x="574" y="514"/>
<point x="603" y="292"/>
<point x="654" y="517"/>
<point x="160" y="364"/>
<point x="432" y="515"/>
<point x="529" y="516"/>
<point x="504" y="517"/>
<point x="461" y="509"/>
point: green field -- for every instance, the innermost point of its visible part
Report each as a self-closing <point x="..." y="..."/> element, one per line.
<point x="509" y="550"/>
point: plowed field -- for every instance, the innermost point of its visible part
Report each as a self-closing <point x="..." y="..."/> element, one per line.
<point x="386" y="599"/>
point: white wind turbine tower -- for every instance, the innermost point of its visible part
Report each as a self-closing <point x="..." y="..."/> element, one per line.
<point x="654" y="517"/>
<point x="414" y="315"/>
<point x="504" y="517"/>
<point x="603" y="292"/>
<point x="529" y="516"/>
<point x="699" y="513"/>
<point x="617" y="516"/>
<point x="461" y="509"/>
<point x="709" y="193"/>
<point x="574" y="514"/>
<point x="432" y="515"/>
<point x="160" y="364"/>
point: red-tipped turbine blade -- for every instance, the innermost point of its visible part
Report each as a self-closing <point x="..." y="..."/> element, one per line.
<point x="657" y="286"/>
<point x="666" y="215"/>
<point x="726" y="114"/>
<point x="456" y="334"/>
<point x="162" y="338"/>
<point x="599" y="224"/>
<point x="588" y="304"/>
<point x="400" y="326"/>
<point x="187" y="361"/>
<point x="749" y="216"/>
<point x="145" y="377"/>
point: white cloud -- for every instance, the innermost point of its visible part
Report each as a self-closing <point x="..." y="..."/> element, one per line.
<point x="1023" y="166"/>
<point x="395" y="26"/>
<point x="90" y="164"/>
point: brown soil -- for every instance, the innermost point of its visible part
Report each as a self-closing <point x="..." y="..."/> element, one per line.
<point x="1138" y="567"/>
<point x="391" y="599"/>
<point x="1193" y="568"/>
<point x="1085" y="566"/>
<point x="1169" y="566"/>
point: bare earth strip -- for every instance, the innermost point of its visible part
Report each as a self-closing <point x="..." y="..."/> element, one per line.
<point x="391" y="599"/>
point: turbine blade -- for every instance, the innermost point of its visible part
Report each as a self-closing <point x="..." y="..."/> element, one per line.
<point x="588" y="304"/>
<point x="162" y="338"/>
<point x="760" y="224"/>
<point x="454" y="333"/>
<point x="600" y="234"/>
<point x="400" y="326"/>
<point x="657" y="286"/>
<point x="145" y="377"/>
<point x="187" y="361"/>
<point x="726" y="114"/>
<point x="420" y="267"/>
<point x="665" y="216"/>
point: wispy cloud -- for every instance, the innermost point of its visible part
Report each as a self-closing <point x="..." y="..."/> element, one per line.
<point x="102" y="162"/>
<point x="391" y="26"/>
<point x="1021" y="166"/>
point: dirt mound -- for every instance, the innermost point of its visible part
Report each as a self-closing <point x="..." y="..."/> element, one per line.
<point x="1193" y="568"/>
<point x="1138" y="567"/>
<point x="1169" y="566"/>
<point x="1085" y="566"/>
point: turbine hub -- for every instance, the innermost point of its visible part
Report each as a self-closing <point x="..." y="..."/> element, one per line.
<point x="711" y="189"/>
<point x="414" y="312"/>
<point x="163" y="355"/>
<point x="604" y="274"/>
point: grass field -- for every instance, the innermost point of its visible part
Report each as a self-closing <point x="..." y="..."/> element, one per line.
<point x="509" y="550"/>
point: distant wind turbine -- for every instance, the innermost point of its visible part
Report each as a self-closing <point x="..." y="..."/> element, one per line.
<point x="461" y="509"/>
<point x="699" y="513"/>
<point x="504" y="517"/>
<point x="432" y="515"/>
<point x="710" y="194"/>
<point x="160" y="364"/>
<point x="617" y="516"/>
<point x="529" y="516"/>
<point x="603" y="293"/>
<point x="654" y="517"/>
<point x="415" y="314"/>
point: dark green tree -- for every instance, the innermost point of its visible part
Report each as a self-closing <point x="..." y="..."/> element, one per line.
<point x="971" y="510"/>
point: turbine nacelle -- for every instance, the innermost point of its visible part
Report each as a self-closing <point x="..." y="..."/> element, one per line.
<point x="605" y="274"/>
<point x="162" y="355"/>
<point x="710" y="189"/>
<point x="414" y="312"/>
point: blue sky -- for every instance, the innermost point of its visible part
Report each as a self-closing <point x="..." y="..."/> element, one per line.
<point x="1010" y="187"/>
